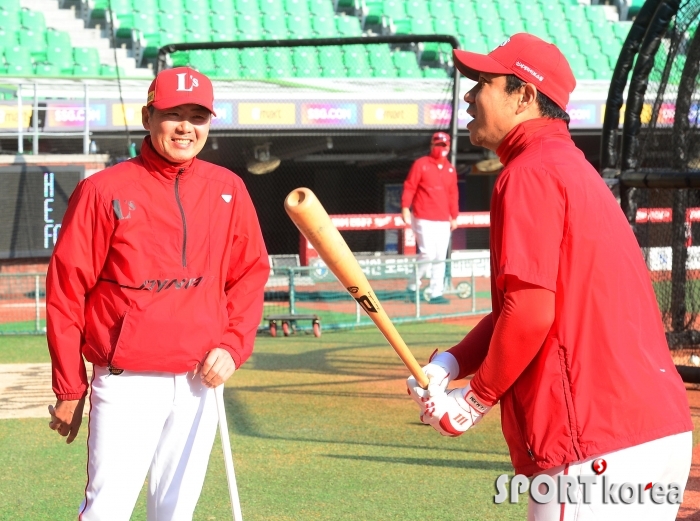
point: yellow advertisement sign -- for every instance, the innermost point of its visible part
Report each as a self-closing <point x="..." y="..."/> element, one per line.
<point x="9" y="116"/>
<point x="390" y="114"/>
<point x="267" y="113"/>
<point x="130" y="115"/>
<point x="644" y="117"/>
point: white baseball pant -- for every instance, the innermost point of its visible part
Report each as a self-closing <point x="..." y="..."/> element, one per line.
<point x="658" y="462"/>
<point x="432" y="237"/>
<point x="162" y="424"/>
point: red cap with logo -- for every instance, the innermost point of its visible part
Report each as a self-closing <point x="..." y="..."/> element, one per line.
<point x="528" y="57"/>
<point x="180" y="86"/>
<point x="440" y="138"/>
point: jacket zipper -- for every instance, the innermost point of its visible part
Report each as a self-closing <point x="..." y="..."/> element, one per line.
<point x="184" y="221"/>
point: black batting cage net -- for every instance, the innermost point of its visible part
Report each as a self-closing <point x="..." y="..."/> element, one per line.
<point x="658" y="157"/>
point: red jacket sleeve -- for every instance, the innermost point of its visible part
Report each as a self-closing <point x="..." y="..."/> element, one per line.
<point x="410" y="185"/>
<point x="472" y="350"/>
<point x="526" y="319"/>
<point x="248" y="271"/>
<point x="78" y="258"/>
<point x="453" y="191"/>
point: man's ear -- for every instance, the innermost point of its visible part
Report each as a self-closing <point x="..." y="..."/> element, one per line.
<point x="145" y="118"/>
<point x="528" y="98"/>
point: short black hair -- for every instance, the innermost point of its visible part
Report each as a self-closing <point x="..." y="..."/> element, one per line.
<point x="548" y="108"/>
<point x="151" y="109"/>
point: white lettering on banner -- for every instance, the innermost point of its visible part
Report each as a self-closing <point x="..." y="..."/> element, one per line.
<point x="62" y="115"/>
<point x="340" y="222"/>
<point x="50" y="228"/>
<point x="382" y="221"/>
<point x="440" y="114"/>
<point x="581" y="114"/>
<point x="529" y="70"/>
<point x="322" y="113"/>
<point x="181" y="82"/>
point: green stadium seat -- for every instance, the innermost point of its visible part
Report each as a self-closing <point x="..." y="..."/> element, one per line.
<point x="552" y="11"/>
<point x="435" y="73"/>
<point x="486" y="9"/>
<point x="530" y="11"/>
<point x="356" y="62"/>
<point x="406" y="64"/>
<point x="444" y="26"/>
<point x="271" y="7"/>
<point x="173" y="7"/>
<point x="35" y="43"/>
<point x="397" y="9"/>
<point x="417" y="9"/>
<point x="600" y="65"/>
<point x="348" y="26"/>
<point x="299" y="27"/>
<point x="47" y="69"/>
<point x="403" y="26"/>
<point x="61" y="57"/>
<point x="474" y="43"/>
<point x="146" y="7"/>
<point x="296" y="7"/>
<point x="421" y="26"/>
<point x="279" y="62"/>
<point x="466" y="26"/>
<point x="3" y="70"/>
<point x="537" y="27"/>
<point x="191" y="37"/>
<point x="440" y="8"/>
<point x="171" y="23"/>
<point x="575" y="13"/>
<point x="202" y="60"/>
<point x="321" y="7"/>
<point x="88" y="56"/>
<point x="595" y="13"/>
<point x="621" y="29"/>
<point x="99" y="12"/>
<point x="511" y="27"/>
<point x="33" y="20"/>
<point x="375" y="8"/>
<point x="11" y="5"/>
<point x="19" y="61"/>
<point x="556" y="27"/>
<point x="221" y="23"/>
<point x="180" y="58"/>
<point x="253" y="62"/>
<point x="197" y="23"/>
<point x="324" y="27"/>
<point x="464" y="9"/>
<point x="275" y="27"/>
<point x="583" y="73"/>
<point x="247" y="7"/>
<point x="379" y="57"/>
<point x="196" y="7"/>
<point x="55" y="38"/>
<point x="305" y="62"/>
<point x="330" y="58"/>
<point x="144" y="23"/>
<point x="223" y="37"/>
<point x="508" y="11"/>
<point x="9" y="21"/>
<point x="86" y="70"/>
<point x="222" y="7"/>
<point x="227" y="58"/>
<point x="248" y="23"/>
<point x="110" y="71"/>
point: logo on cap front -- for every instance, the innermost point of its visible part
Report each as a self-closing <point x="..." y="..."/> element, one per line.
<point x="529" y="70"/>
<point x="181" y="82"/>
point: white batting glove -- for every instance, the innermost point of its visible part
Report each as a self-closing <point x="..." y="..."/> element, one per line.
<point x="452" y="413"/>
<point x="441" y="370"/>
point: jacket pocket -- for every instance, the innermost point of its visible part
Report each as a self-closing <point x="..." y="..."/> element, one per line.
<point x="123" y="333"/>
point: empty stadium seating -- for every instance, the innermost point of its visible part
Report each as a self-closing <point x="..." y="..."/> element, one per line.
<point x="590" y="41"/>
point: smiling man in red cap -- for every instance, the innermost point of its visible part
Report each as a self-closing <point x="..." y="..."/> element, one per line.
<point x="430" y="190"/>
<point x="157" y="280"/>
<point x="574" y="350"/>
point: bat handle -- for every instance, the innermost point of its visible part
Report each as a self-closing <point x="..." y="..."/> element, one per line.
<point x="418" y="374"/>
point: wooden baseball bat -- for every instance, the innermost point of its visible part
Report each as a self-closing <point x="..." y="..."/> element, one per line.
<point x="313" y="222"/>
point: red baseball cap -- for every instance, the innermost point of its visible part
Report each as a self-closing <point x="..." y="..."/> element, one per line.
<point x="179" y="86"/>
<point x="528" y="57"/>
<point x="440" y="138"/>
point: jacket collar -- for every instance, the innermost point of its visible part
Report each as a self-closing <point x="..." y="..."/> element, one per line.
<point x="527" y="132"/>
<point x="159" y="167"/>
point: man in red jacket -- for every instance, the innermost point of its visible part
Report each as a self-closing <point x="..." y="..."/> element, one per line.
<point x="431" y="190"/>
<point x="157" y="280"/>
<point x="574" y="350"/>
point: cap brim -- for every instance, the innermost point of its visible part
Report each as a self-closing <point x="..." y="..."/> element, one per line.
<point x="471" y="64"/>
<point x="169" y="103"/>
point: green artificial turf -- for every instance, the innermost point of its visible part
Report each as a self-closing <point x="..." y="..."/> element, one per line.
<point x="321" y="428"/>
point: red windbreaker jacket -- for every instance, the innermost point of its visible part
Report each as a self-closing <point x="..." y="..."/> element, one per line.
<point x="155" y="265"/>
<point x="603" y="379"/>
<point x="431" y="187"/>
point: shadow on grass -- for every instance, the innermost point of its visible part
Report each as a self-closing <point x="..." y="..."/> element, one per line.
<point x="455" y="464"/>
<point x="241" y="423"/>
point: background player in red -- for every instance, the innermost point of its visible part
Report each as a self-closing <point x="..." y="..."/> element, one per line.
<point x="574" y="350"/>
<point x="157" y="280"/>
<point x="431" y="191"/>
